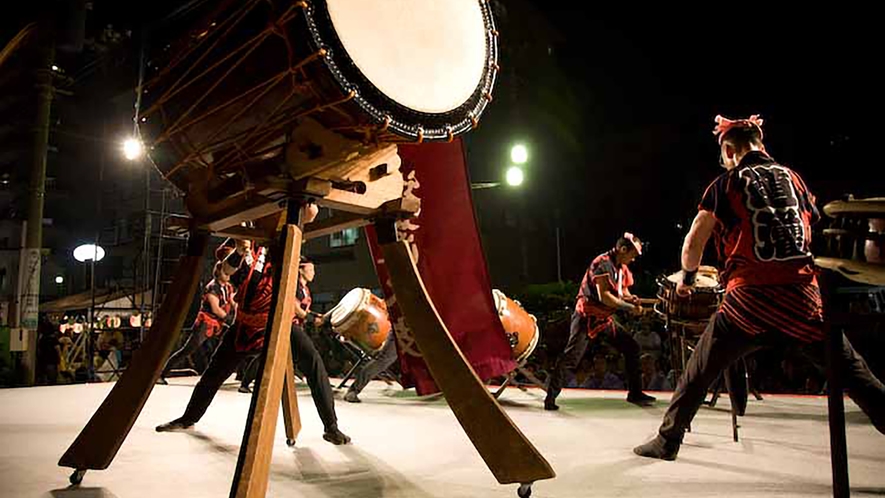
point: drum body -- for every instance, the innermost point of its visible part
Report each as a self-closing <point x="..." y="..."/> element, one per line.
<point x="874" y="246"/>
<point x="259" y="90"/>
<point x="700" y="305"/>
<point x="361" y="318"/>
<point x="854" y="241"/>
<point x="520" y="326"/>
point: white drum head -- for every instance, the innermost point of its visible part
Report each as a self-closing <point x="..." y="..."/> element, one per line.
<point x="428" y="55"/>
<point x="500" y="300"/>
<point x="700" y="280"/>
<point x="350" y="303"/>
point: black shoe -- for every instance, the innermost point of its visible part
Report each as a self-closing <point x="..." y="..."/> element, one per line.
<point x="336" y="437"/>
<point x="174" y="426"/>
<point x="658" y="448"/>
<point x="244" y="390"/>
<point x="352" y="397"/>
<point x="550" y="405"/>
<point x="640" y="398"/>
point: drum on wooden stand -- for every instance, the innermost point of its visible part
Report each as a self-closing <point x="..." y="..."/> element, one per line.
<point x="697" y="307"/>
<point x="686" y="317"/>
<point x="361" y="318"/>
<point x="520" y="326"/>
<point x="261" y="93"/>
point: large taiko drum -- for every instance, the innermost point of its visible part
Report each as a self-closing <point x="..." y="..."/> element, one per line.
<point x="521" y="327"/>
<point x="361" y="318"/>
<point x="257" y="90"/>
<point x="699" y="306"/>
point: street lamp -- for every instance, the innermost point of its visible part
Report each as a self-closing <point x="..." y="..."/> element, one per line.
<point x="59" y="279"/>
<point x="92" y="253"/>
<point x="88" y="252"/>
<point x="519" y="154"/>
<point x="132" y="149"/>
<point x="514" y="176"/>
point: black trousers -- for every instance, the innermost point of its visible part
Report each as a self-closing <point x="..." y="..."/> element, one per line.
<point x="577" y="346"/>
<point x="226" y="358"/>
<point x="381" y="362"/>
<point x="722" y="344"/>
<point x="250" y="369"/>
<point x="193" y="343"/>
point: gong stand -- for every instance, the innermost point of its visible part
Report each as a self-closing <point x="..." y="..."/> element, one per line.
<point x="846" y="258"/>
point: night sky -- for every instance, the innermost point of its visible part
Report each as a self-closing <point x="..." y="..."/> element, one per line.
<point x="617" y="106"/>
<point x="640" y="90"/>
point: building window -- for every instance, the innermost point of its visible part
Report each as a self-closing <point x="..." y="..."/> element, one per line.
<point x="344" y="238"/>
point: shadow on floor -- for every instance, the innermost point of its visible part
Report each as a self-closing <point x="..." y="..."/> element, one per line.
<point x="78" y="492"/>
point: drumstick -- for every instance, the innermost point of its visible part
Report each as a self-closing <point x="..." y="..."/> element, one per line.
<point x="648" y="301"/>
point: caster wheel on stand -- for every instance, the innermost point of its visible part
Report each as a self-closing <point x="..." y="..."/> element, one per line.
<point x="77" y="476"/>
<point x="524" y="491"/>
<point x="290" y="442"/>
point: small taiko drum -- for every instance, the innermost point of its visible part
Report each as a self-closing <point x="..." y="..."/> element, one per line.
<point x="361" y="318"/>
<point x="699" y="306"/>
<point x="855" y="240"/>
<point x="520" y="326"/>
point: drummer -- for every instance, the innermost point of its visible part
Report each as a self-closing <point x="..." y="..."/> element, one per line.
<point x="604" y="290"/>
<point x="761" y="213"/>
<point x="380" y="362"/>
<point x="251" y="271"/>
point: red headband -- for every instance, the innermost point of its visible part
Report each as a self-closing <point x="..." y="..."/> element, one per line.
<point x="635" y="241"/>
<point x="724" y="124"/>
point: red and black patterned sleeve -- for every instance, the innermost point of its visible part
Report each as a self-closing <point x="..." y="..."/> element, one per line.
<point x="603" y="269"/>
<point x="716" y="201"/>
<point x="213" y="287"/>
<point x="806" y="198"/>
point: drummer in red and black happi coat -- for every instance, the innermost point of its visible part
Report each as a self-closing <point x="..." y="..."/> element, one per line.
<point x="605" y="289"/>
<point x="760" y="214"/>
<point x="251" y="271"/>
<point x="217" y="312"/>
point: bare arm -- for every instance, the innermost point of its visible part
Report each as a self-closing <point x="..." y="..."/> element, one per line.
<point x="612" y="301"/>
<point x="299" y="311"/>
<point x="693" y="247"/>
<point x="214" y="305"/>
<point x="233" y="262"/>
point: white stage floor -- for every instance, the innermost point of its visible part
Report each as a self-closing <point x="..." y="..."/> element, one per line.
<point x="407" y="447"/>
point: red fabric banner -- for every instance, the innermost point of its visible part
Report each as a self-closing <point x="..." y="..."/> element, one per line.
<point x="445" y="239"/>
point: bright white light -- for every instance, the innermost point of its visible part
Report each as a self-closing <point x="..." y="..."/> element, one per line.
<point x="59" y="279"/>
<point x="519" y="154"/>
<point x="54" y="67"/>
<point x="515" y="176"/>
<point x="132" y="149"/>
<point x="88" y="251"/>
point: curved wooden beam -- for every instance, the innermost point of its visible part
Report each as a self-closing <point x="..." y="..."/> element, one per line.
<point x="508" y="453"/>
<point x="102" y="437"/>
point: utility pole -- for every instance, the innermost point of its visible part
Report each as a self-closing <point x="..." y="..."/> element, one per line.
<point x="44" y="47"/>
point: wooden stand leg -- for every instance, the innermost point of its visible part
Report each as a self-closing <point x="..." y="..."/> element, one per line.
<point x="504" y="384"/>
<point x="835" y="403"/>
<point x="253" y="465"/>
<point x="509" y="455"/>
<point x="291" y="415"/>
<point x="99" y="441"/>
<point x="531" y="377"/>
